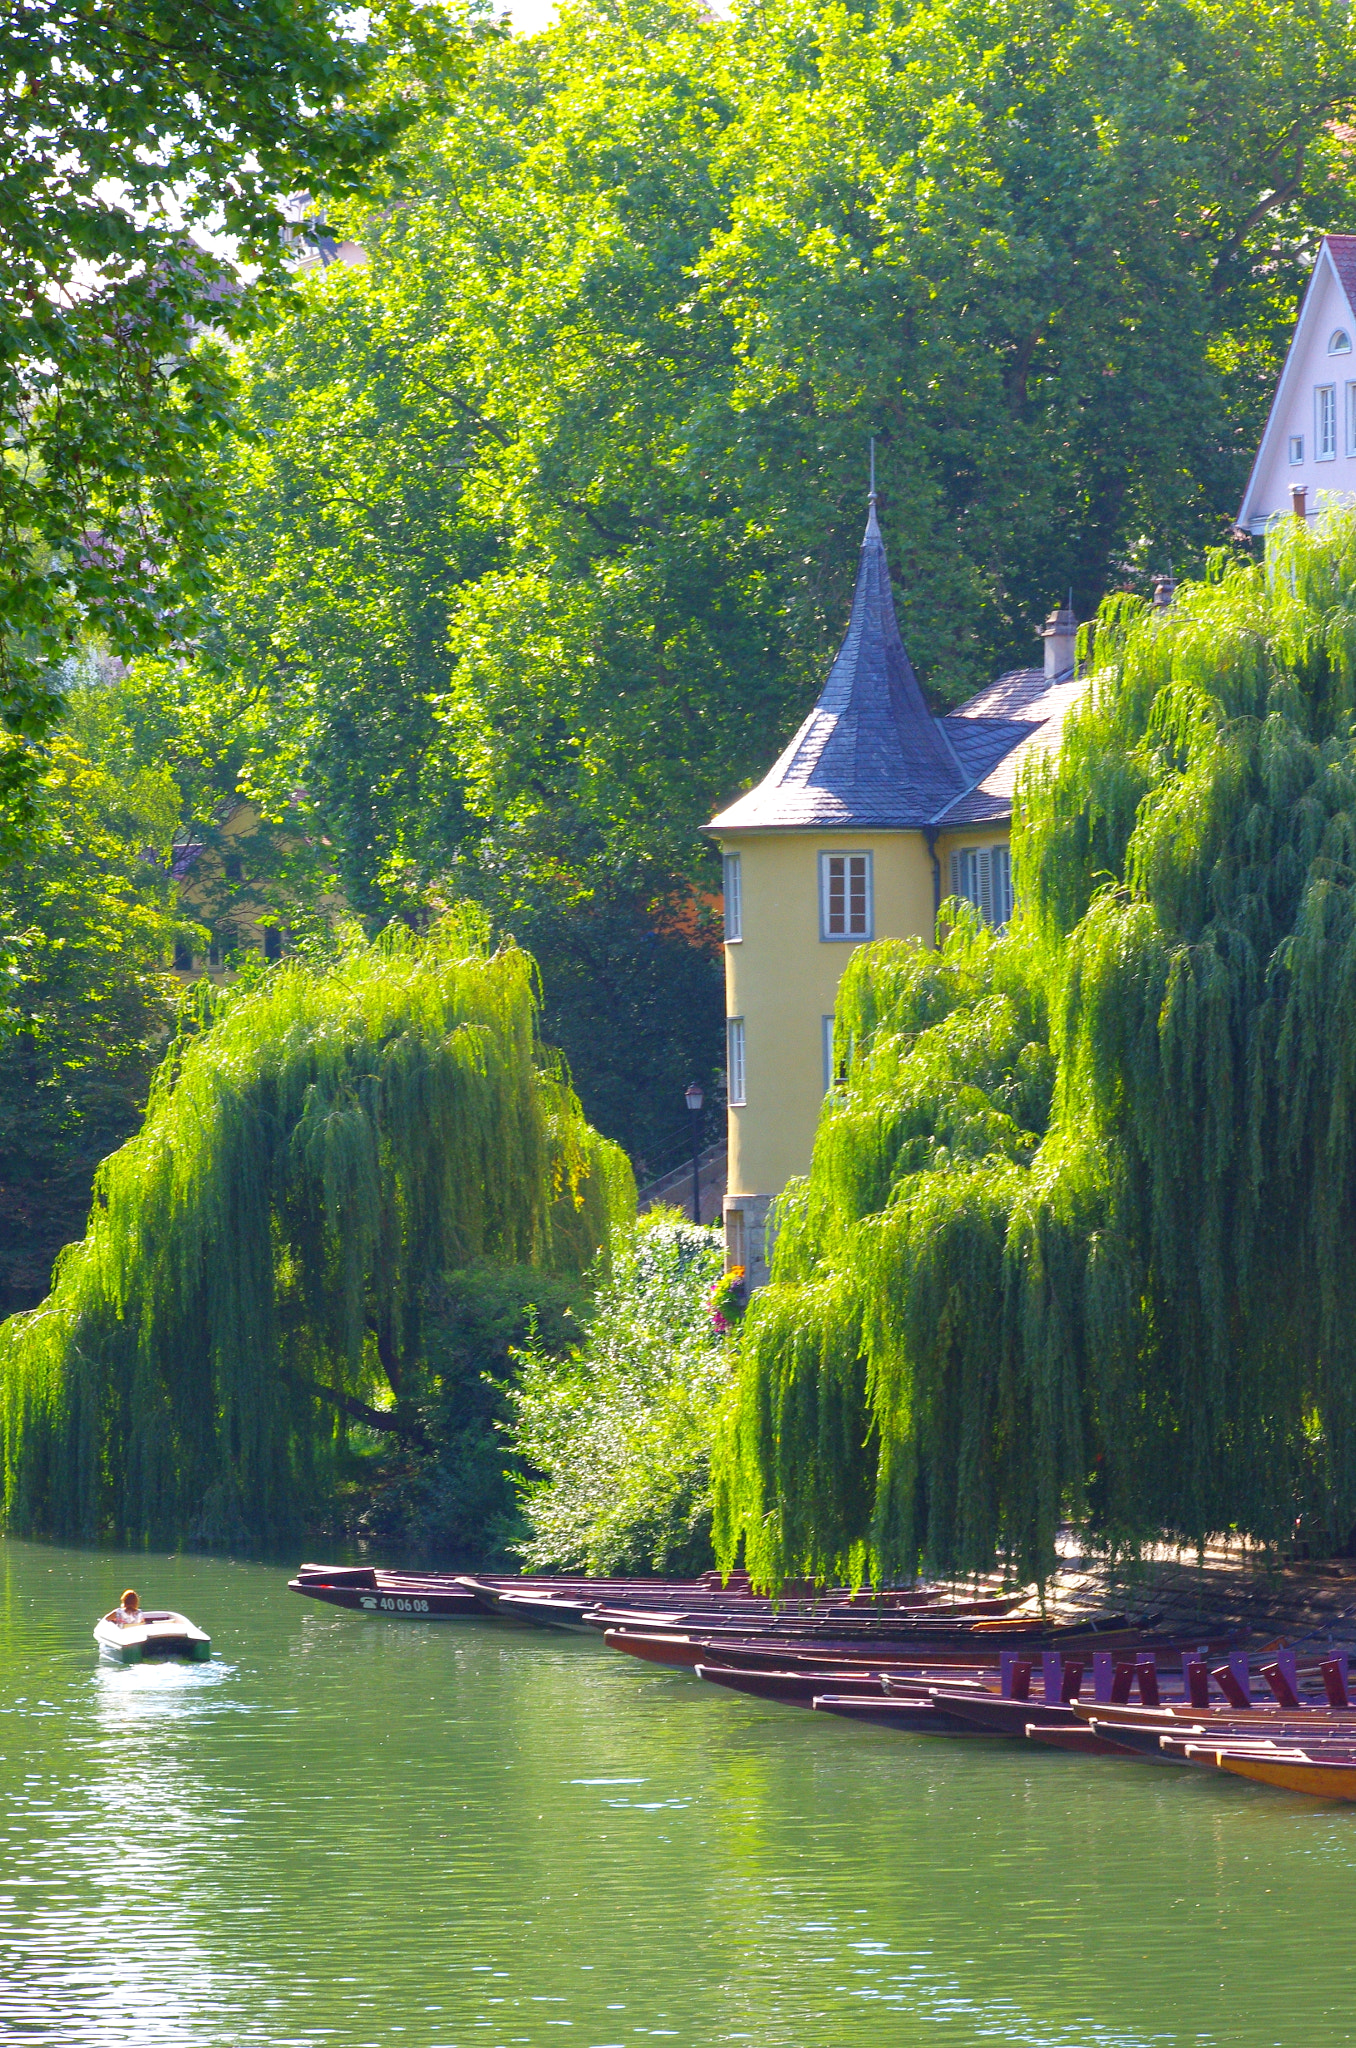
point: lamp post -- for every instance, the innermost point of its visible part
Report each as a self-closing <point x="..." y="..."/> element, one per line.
<point x="695" y="1099"/>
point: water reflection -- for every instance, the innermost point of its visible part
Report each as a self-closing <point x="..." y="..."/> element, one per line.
<point x="347" y="1831"/>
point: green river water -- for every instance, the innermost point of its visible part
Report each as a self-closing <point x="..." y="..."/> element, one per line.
<point x="347" y="1830"/>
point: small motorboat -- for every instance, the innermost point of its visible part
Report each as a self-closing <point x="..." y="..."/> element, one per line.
<point x="159" y="1633"/>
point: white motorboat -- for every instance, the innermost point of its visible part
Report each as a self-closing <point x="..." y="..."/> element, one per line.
<point x="159" y="1633"/>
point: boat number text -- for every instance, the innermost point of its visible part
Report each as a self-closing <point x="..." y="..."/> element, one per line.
<point x="391" y="1605"/>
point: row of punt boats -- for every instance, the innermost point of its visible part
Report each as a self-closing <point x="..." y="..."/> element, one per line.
<point x="927" y="1662"/>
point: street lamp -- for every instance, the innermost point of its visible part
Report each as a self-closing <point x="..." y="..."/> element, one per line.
<point x="695" y="1099"/>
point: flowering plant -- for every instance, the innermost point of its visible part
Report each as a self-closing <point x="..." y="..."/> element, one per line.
<point x="728" y="1298"/>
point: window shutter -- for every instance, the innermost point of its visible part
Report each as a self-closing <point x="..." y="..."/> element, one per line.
<point x="984" y="882"/>
<point x="1002" y="885"/>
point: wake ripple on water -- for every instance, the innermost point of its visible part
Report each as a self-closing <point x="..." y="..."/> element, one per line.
<point x="344" y="1831"/>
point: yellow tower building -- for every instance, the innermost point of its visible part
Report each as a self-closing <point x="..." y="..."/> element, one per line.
<point x="873" y="813"/>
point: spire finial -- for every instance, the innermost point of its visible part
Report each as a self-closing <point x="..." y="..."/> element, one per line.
<point x="872" y="527"/>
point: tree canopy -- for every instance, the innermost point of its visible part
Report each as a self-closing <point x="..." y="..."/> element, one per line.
<point x="89" y="918"/>
<point x="544" y="516"/>
<point x="1078" y="1234"/>
<point x="259" y="1256"/>
<point x="130" y="131"/>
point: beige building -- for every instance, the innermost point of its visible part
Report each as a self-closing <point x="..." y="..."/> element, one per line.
<point x="873" y="814"/>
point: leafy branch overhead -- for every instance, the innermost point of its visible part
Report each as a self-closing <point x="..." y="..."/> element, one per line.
<point x="129" y="130"/>
<point x="553" y="503"/>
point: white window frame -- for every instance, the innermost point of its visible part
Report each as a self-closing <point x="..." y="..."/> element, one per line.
<point x="1351" y="419"/>
<point x="850" y="935"/>
<point x="734" y="899"/>
<point x="735" y="1077"/>
<point x="1296" y="450"/>
<point x="982" y="875"/>
<point x="1325" y="423"/>
<point x="826" y="1049"/>
<point x="1339" y="342"/>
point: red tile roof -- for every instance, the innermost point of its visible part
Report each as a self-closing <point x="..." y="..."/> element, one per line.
<point x="1342" y="249"/>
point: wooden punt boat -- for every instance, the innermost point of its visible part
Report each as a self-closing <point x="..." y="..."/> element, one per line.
<point x="1179" y="1740"/>
<point x="1174" y="1715"/>
<point x="889" y="1637"/>
<point x="1318" y="1777"/>
<point x="159" y="1633"/>
<point x="997" y="1716"/>
<point x="912" y="1717"/>
<point x="1078" y="1738"/>
<point x="685" y="1652"/>
<point x="1134" y="1738"/>
<point x="407" y="1596"/>
<point x="848" y="1618"/>
<point x="1208" y="1747"/>
<point x="546" y="1610"/>
<point x="794" y="1688"/>
<point x="668" y="1604"/>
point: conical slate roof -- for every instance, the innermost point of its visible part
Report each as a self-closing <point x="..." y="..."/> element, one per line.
<point x="870" y="754"/>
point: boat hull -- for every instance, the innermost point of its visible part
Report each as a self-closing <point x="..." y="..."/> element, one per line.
<point x="1318" y="1779"/>
<point x="998" y="1716"/>
<point x="401" y="1596"/>
<point x="906" y="1716"/>
<point x="1080" y="1741"/>
<point x="161" y="1635"/>
<point x="791" y="1688"/>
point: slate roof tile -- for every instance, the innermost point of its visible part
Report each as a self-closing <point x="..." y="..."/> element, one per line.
<point x="870" y="752"/>
<point x="871" y="755"/>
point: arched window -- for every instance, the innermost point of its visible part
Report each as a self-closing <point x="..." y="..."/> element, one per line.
<point x="1339" y="342"/>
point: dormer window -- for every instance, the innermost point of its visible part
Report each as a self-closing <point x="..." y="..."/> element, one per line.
<point x="1296" y="448"/>
<point x="1339" y="342"/>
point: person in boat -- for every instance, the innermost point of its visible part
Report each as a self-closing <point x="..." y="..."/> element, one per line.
<point x="129" y="1614"/>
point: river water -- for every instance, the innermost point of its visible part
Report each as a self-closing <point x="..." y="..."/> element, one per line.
<point x="467" y="1835"/>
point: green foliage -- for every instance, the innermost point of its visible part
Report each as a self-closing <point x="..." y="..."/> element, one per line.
<point x="123" y="129"/>
<point x="88" y="923"/>
<point x="546" y="516"/>
<point x="258" y="1254"/>
<point x="1077" y="1238"/>
<point x="622" y="1428"/>
<point x="451" y="1498"/>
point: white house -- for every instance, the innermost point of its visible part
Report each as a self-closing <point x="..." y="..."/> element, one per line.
<point x="1308" y="452"/>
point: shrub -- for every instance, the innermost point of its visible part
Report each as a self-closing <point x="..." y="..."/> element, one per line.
<point x="622" y="1428"/>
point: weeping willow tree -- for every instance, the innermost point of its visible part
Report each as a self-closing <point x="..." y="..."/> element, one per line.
<point x="1079" y="1235"/>
<point x="258" y="1255"/>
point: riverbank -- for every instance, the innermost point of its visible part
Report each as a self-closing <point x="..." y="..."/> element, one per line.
<point x="1229" y="1585"/>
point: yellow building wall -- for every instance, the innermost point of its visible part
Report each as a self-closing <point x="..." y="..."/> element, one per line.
<point x="782" y="978"/>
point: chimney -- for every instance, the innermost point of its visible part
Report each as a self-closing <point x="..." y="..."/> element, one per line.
<point x="1060" y="634"/>
<point x="1298" y="493"/>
